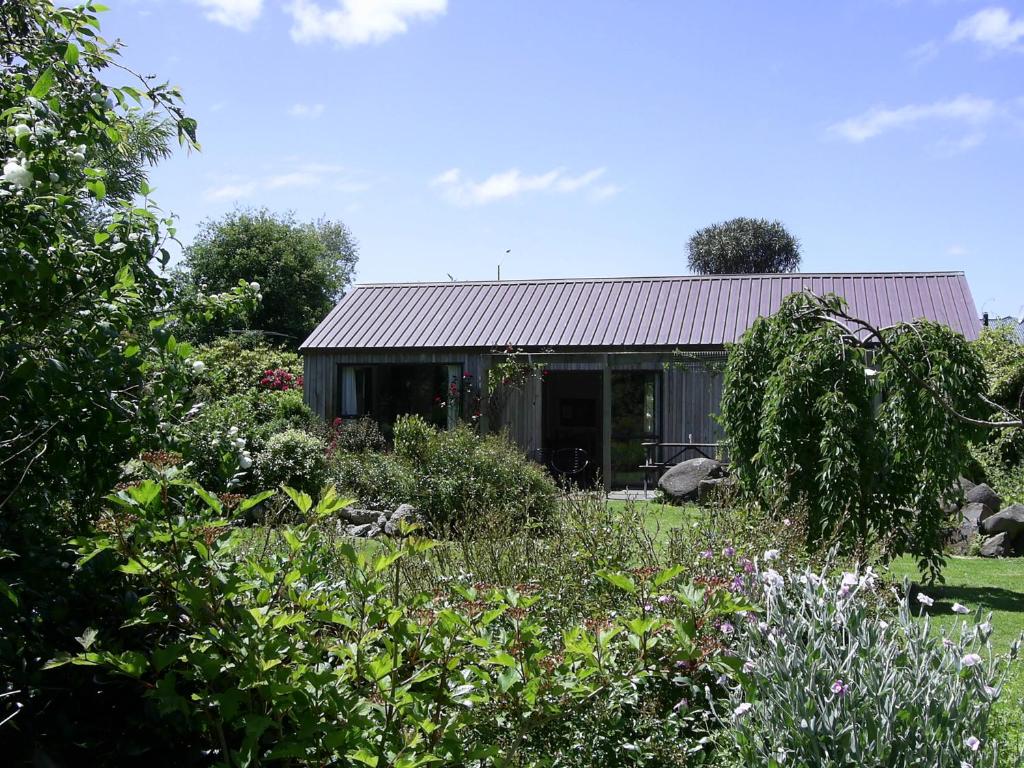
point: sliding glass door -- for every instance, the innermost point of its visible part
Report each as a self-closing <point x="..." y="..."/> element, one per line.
<point x="635" y="420"/>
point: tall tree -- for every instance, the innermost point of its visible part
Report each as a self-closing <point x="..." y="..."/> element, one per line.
<point x="743" y="246"/>
<point x="302" y="269"/>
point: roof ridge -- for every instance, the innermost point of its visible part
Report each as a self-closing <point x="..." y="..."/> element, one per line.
<point x="637" y="278"/>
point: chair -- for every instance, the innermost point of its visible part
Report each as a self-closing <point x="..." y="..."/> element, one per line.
<point x="569" y="462"/>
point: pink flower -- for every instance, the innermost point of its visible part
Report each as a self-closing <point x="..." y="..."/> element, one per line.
<point x="839" y="688"/>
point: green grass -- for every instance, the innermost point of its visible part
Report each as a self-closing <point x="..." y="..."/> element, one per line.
<point x="660" y="518"/>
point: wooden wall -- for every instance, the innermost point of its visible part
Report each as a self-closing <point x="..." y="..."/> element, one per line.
<point x="691" y="387"/>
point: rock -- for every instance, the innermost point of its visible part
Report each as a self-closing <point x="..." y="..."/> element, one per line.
<point x="406" y="512"/>
<point x="374" y="531"/>
<point x="982" y="494"/>
<point x="359" y="530"/>
<point x="1010" y="521"/>
<point x="960" y="539"/>
<point x="382" y="520"/>
<point x="359" y="516"/>
<point x="995" y="546"/>
<point x="965" y="484"/>
<point x="976" y="512"/>
<point x="681" y="482"/>
<point x="714" y="487"/>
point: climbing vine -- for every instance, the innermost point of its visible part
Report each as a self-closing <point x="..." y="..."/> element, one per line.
<point x="867" y="428"/>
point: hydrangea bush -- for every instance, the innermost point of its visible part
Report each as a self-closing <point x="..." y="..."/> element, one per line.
<point x="832" y="681"/>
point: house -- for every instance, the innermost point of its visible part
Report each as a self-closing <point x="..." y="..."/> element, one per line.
<point x="590" y="369"/>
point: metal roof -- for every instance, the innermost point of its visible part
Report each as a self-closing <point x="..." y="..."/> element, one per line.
<point x="694" y="311"/>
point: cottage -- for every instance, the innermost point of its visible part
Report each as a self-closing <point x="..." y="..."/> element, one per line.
<point x="581" y="372"/>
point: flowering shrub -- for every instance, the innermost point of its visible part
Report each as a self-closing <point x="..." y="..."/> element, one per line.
<point x="377" y="480"/>
<point x="829" y="682"/>
<point x="293" y="458"/>
<point x="239" y="364"/>
<point x="280" y="379"/>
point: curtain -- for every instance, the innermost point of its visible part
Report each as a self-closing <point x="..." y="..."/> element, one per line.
<point x="349" y="397"/>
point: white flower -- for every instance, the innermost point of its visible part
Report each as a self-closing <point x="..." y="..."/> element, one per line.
<point x="21" y="130"/>
<point x="992" y="693"/>
<point x="972" y="743"/>
<point x="771" y="554"/>
<point x="238" y="443"/>
<point x="54" y="177"/>
<point x="17" y="174"/>
<point x="233" y="431"/>
<point x="971" y="660"/>
<point x="772" y="579"/>
<point x="985" y="627"/>
<point x="254" y="286"/>
<point x="742" y="709"/>
<point x="245" y="462"/>
<point x="749" y="666"/>
<point x="923" y="599"/>
<point x="198" y="366"/>
<point x="883" y="624"/>
<point x="869" y="578"/>
<point x="958" y="608"/>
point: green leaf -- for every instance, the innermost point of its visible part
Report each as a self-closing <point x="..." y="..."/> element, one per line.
<point x="365" y="757"/>
<point x="7" y="592"/>
<point x="43" y="84"/>
<point x="300" y="499"/>
<point x="252" y="501"/>
<point x="71" y="54"/>
<point x="620" y="580"/>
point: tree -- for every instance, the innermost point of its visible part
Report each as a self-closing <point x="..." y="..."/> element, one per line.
<point x="90" y="364"/>
<point x="867" y="428"/>
<point x="743" y="246"/>
<point x="301" y="269"/>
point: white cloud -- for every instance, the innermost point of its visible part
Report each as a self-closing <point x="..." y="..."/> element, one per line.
<point x="323" y="175"/>
<point x="878" y="120"/>
<point x="512" y="183"/>
<point x="994" y="28"/>
<point x="605" y="192"/>
<point x="355" y="22"/>
<point x="310" y="111"/>
<point x="239" y="14"/>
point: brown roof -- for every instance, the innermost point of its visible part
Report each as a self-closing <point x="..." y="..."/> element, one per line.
<point x="696" y="311"/>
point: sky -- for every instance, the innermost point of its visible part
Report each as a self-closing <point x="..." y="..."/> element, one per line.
<point x="563" y="138"/>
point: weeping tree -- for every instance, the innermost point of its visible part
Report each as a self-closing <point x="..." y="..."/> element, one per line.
<point x="868" y="428"/>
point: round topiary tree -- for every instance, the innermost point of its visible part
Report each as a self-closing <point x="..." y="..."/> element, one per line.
<point x="743" y="246"/>
<point x="867" y="428"/>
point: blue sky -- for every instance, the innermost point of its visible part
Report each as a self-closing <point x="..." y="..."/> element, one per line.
<point x="592" y="138"/>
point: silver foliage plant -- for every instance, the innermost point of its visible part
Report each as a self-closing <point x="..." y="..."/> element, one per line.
<point x="833" y="679"/>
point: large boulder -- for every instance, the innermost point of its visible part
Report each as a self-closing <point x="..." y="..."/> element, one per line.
<point x="976" y="512"/>
<point x="983" y="494"/>
<point x="681" y="482"/>
<point x="359" y="531"/>
<point x="995" y="546"/>
<point x="358" y="516"/>
<point x="407" y="513"/>
<point x="1010" y="521"/>
<point x="960" y="539"/>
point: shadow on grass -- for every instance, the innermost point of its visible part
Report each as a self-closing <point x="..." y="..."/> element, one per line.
<point x="990" y="598"/>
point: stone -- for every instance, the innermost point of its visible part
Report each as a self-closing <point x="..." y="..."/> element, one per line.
<point x="983" y="494"/>
<point x="1010" y="521"/>
<point x="681" y="482"/>
<point x="976" y="512"/>
<point x="714" y="487"/>
<point x="406" y="512"/>
<point x="382" y="520"/>
<point x="965" y="484"/>
<point x="995" y="546"/>
<point x="373" y="532"/>
<point x="960" y="539"/>
<point x="359" y="531"/>
<point x="358" y="516"/>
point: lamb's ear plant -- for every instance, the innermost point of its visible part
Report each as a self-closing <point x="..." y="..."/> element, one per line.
<point x="831" y="680"/>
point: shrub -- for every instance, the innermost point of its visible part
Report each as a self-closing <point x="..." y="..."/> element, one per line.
<point x="309" y="653"/>
<point x="294" y="458"/>
<point x="832" y="683"/>
<point x="238" y="364"/>
<point x="377" y="480"/>
<point x="216" y="439"/>
<point x="361" y="434"/>
<point x="461" y="475"/>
